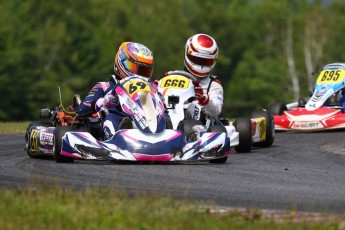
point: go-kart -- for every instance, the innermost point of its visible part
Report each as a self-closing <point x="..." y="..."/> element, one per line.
<point x="322" y="111"/>
<point x="147" y="138"/>
<point x="39" y="134"/>
<point x="177" y="89"/>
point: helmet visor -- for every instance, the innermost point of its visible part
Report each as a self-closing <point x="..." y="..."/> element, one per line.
<point x="201" y="61"/>
<point x="138" y="68"/>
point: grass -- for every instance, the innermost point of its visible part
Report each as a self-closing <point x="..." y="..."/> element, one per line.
<point x="57" y="207"/>
<point x="13" y="127"/>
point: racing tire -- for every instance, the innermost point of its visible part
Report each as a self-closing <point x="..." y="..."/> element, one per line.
<point x="244" y="127"/>
<point x="220" y="129"/>
<point x="186" y="126"/>
<point x="277" y="109"/>
<point x="27" y="135"/>
<point x="270" y="130"/>
<point x="168" y="123"/>
<point x="59" y="132"/>
<point x="187" y="115"/>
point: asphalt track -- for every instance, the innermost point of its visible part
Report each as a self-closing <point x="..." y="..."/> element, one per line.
<point x="301" y="171"/>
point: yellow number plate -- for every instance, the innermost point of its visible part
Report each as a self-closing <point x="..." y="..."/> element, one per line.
<point x="175" y="82"/>
<point x="133" y="87"/>
<point x="331" y="76"/>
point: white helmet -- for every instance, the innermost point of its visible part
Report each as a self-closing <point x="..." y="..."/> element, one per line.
<point x="201" y="53"/>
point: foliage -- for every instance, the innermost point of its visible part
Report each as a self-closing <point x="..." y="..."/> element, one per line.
<point x="71" y="44"/>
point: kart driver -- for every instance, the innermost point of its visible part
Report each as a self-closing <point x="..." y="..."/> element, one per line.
<point x="201" y="53"/>
<point x="131" y="58"/>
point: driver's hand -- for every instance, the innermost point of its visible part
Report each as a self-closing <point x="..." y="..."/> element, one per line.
<point x="111" y="100"/>
<point x="200" y="95"/>
<point x="106" y="102"/>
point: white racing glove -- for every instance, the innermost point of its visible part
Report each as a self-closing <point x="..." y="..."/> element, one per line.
<point x="108" y="101"/>
<point x="200" y="95"/>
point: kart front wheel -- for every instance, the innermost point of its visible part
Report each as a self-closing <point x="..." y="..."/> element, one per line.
<point x="28" y="135"/>
<point x="59" y="132"/>
<point x="244" y="127"/>
<point x="269" y="129"/>
<point x="220" y="129"/>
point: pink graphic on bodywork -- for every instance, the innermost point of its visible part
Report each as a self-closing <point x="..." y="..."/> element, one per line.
<point x="72" y="155"/>
<point x="124" y="134"/>
<point x="135" y="97"/>
<point x="145" y="157"/>
<point x="87" y="137"/>
<point x="127" y="110"/>
<point x="120" y="91"/>
<point x="174" y="136"/>
<point x="87" y="104"/>
<point x="227" y="153"/>
<point x="207" y="136"/>
<point x="123" y="93"/>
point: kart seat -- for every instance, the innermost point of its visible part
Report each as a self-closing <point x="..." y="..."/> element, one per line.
<point x="302" y="102"/>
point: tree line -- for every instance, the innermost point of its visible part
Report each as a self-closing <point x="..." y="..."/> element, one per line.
<point x="269" y="51"/>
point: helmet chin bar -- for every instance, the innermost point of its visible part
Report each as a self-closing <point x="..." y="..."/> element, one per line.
<point x="198" y="71"/>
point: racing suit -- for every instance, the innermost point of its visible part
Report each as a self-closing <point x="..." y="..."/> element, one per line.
<point x="212" y="87"/>
<point x="93" y="103"/>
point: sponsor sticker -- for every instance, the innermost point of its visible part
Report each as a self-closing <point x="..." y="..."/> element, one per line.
<point x="46" y="138"/>
<point x="306" y="125"/>
<point x="34" y="140"/>
<point x="261" y="127"/>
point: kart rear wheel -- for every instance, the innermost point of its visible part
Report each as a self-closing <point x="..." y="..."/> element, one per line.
<point x="277" y="109"/>
<point x="244" y="127"/>
<point x="270" y="131"/>
<point x="220" y="129"/>
<point x="59" y="132"/>
<point x="186" y="126"/>
<point x="27" y="135"/>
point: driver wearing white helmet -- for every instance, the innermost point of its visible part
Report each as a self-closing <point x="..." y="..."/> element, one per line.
<point x="201" y="53"/>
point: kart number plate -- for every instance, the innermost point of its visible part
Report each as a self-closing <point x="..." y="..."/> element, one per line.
<point x="331" y="76"/>
<point x="175" y="82"/>
<point x="133" y="87"/>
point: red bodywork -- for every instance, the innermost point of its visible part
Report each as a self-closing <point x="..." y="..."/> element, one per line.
<point x="304" y="120"/>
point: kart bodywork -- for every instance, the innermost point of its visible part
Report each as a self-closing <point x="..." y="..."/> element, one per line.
<point x="177" y="89"/>
<point x="322" y="111"/>
<point x="148" y="140"/>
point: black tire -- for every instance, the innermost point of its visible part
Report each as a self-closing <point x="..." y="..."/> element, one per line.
<point x="59" y="132"/>
<point x="187" y="115"/>
<point x="27" y="135"/>
<point x="221" y="129"/>
<point x="270" y="130"/>
<point x="168" y="123"/>
<point x="277" y="109"/>
<point x="244" y="127"/>
<point x="186" y="126"/>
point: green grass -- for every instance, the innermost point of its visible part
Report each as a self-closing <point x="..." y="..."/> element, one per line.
<point x="13" y="127"/>
<point x="55" y="207"/>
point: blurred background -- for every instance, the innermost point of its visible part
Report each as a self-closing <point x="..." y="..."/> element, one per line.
<point x="269" y="51"/>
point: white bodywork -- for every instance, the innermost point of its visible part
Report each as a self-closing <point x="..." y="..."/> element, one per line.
<point x="183" y="88"/>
